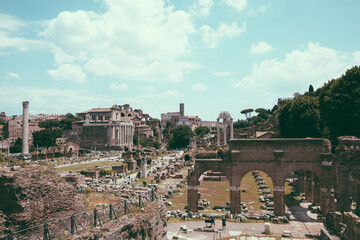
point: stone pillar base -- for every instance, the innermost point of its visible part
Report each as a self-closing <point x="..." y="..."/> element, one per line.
<point x="235" y="200"/>
<point x="279" y="201"/>
<point x="192" y="198"/>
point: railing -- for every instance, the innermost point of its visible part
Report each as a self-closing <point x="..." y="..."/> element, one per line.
<point x="79" y="222"/>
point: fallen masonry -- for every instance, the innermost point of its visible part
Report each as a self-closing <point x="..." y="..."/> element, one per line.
<point x="146" y="223"/>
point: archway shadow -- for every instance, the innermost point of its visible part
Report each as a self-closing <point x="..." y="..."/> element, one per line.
<point x="298" y="212"/>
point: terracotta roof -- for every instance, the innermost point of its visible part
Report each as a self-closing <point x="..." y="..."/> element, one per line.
<point x="100" y="110"/>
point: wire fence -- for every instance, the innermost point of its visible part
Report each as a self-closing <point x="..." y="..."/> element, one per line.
<point x="76" y="223"/>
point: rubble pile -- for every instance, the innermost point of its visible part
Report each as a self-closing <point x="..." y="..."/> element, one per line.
<point x="148" y="223"/>
<point x="265" y="194"/>
<point x="33" y="195"/>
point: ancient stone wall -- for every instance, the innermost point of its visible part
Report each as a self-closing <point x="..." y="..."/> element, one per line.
<point x="34" y="195"/>
<point x="149" y="223"/>
<point x="294" y="149"/>
<point x="94" y="136"/>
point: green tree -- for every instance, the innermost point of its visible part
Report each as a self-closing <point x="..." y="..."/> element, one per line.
<point x="46" y="138"/>
<point x="202" y="131"/>
<point x="135" y="140"/>
<point x="17" y="147"/>
<point x="66" y="123"/>
<point x="155" y="144"/>
<point x="247" y="112"/>
<point x="49" y="124"/>
<point x="241" y="124"/>
<point x="168" y="125"/>
<point x="300" y="118"/>
<point x="180" y="136"/>
<point x="340" y="104"/>
<point x="311" y="88"/>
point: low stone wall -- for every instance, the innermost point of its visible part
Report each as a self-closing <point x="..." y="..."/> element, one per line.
<point x="149" y="223"/>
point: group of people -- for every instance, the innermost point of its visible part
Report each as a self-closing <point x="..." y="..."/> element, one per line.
<point x="223" y="220"/>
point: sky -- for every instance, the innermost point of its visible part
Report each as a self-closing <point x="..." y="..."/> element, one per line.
<point x="212" y="55"/>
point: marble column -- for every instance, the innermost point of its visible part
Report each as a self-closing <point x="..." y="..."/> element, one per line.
<point x="192" y="197"/>
<point x="110" y="135"/>
<point x="231" y="130"/>
<point x="130" y="139"/>
<point x="235" y="198"/>
<point x="279" y="200"/>
<point x="225" y="130"/>
<point x="143" y="167"/>
<point x="218" y="133"/>
<point x="25" y="128"/>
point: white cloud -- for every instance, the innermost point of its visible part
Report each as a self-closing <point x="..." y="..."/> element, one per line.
<point x="11" y="75"/>
<point x="239" y="5"/>
<point x="12" y="31"/>
<point x="211" y="38"/>
<point x="202" y="8"/>
<point x="68" y="72"/>
<point x="223" y="74"/>
<point x="315" y="65"/>
<point x="199" y="87"/>
<point x="120" y="87"/>
<point x="50" y="100"/>
<point x="261" y="47"/>
<point x="131" y="40"/>
<point x="262" y="9"/>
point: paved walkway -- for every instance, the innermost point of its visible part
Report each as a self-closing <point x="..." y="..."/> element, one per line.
<point x="299" y="229"/>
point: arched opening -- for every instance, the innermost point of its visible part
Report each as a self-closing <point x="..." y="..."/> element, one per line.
<point x="213" y="193"/>
<point x="257" y="193"/>
<point x="123" y="114"/>
<point x="302" y="195"/>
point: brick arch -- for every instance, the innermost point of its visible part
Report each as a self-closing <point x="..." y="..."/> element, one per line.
<point x="277" y="157"/>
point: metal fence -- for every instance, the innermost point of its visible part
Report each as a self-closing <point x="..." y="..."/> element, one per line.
<point x="76" y="223"/>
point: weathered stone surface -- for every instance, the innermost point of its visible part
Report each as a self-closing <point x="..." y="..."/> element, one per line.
<point x="149" y="223"/>
<point x="33" y="195"/>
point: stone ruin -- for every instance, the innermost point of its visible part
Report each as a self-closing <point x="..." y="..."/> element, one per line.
<point x="148" y="223"/>
<point x="34" y="195"/>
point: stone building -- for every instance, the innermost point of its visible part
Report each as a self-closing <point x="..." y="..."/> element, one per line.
<point x="178" y="119"/>
<point x="108" y="127"/>
<point x="15" y="129"/>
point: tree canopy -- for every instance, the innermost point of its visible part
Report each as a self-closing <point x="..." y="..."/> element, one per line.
<point x="46" y="138"/>
<point x="180" y="136"/>
<point x="202" y="131"/>
<point x="241" y="124"/>
<point x="247" y="112"/>
<point x="340" y="104"/>
<point x="17" y="147"/>
<point x="300" y="118"/>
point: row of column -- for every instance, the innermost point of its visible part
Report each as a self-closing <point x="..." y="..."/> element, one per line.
<point x="308" y="184"/>
<point x="224" y="126"/>
<point x="322" y="196"/>
<point x="121" y="135"/>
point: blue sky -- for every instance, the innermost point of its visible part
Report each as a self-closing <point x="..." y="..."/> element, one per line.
<point x="228" y="55"/>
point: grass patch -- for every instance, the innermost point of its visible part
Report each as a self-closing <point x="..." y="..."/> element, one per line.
<point x="84" y="166"/>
